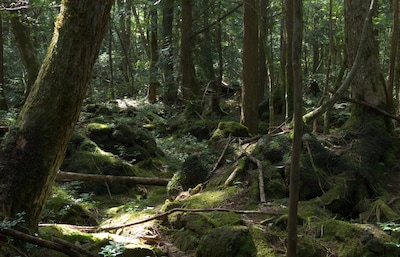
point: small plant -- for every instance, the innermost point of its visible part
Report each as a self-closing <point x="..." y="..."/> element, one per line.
<point x="389" y="226"/>
<point x="12" y="223"/>
<point x="112" y="249"/>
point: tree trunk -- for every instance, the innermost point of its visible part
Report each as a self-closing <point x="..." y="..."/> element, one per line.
<point x="33" y="150"/>
<point x="297" y="129"/>
<point x="289" y="63"/>
<point x="152" y="94"/>
<point x="27" y="51"/>
<point x="250" y="87"/>
<point x="189" y="84"/>
<point x="394" y="46"/>
<point x="368" y="85"/>
<point x="3" y="101"/>
<point x="167" y="64"/>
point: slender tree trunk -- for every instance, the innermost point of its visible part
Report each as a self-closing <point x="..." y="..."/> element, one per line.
<point x="167" y="63"/>
<point x="393" y="52"/>
<point x="3" y="100"/>
<point x="26" y="49"/>
<point x="152" y="94"/>
<point x="263" y="32"/>
<point x="289" y="63"/>
<point x="33" y="150"/>
<point x="125" y="38"/>
<point x="110" y="63"/>
<point x="250" y="87"/>
<point x="297" y="129"/>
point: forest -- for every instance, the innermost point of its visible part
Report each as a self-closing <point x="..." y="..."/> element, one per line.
<point x="152" y="128"/>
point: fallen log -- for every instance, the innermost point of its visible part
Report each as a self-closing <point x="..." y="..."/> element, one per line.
<point x="68" y="176"/>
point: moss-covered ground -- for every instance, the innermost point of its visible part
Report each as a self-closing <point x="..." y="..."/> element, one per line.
<point x="212" y="205"/>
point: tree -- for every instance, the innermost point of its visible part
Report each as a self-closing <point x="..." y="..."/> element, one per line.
<point x="190" y="88"/>
<point x="153" y="83"/>
<point x="33" y="150"/>
<point x="250" y="87"/>
<point x="297" y="128"/>
<point x="26" y="49"/>
<point x="3" y="101"/>
<point x="166" y="62"/>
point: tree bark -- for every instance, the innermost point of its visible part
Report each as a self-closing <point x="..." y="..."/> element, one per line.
<point x="33" y="150"/>
<point x="3" y="100"/>
<point x="167" y="64"/>
<point x="152" y="94"/>
<point x="27" y="51"/>
<point x="297" y="128"/>
<point x="63" y="175"/>
<point x="250" y="87"/>
<point x="189" y="84"/>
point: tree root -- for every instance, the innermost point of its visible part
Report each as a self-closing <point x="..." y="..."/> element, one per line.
<point x="57" y="243"/>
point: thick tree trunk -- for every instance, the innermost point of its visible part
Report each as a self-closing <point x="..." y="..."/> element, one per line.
<point x="368" y="84"/>
<point x="250" y="88"/>
<point x="33" y="150"/>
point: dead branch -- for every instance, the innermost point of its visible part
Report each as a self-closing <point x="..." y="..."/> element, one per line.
<point x="260" y="173"/>
<point x="164" y="214"/>
<point x="66" y="176"/>
<point x="383" y="112"/>
<point x="221" y="156"/>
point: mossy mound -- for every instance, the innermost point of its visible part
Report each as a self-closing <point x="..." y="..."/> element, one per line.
<point x="99" y="162"/>
<point x="227" y="242"/>
<point x="226" y="128"/>
<point x="130" y="144"/>
<point x="194" y="171"/>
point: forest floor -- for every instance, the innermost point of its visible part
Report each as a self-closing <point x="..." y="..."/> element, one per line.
<point x="228" y="191"/>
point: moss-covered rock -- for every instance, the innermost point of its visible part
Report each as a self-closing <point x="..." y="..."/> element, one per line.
<point x="194" y="171"/>
<point x="226" y="128"/>
<point x="227" y="242"/>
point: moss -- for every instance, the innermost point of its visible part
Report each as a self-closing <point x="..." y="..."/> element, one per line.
<point x="227" y="128"/>
<point x="185" y="240"/>
<point x="262" y="242"/>
<point x="66" y="233"/>
<point x="227" y="242"/>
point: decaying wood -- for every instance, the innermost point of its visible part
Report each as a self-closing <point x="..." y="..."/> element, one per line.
<point x="260" y="173"/>
<point x="66" y="176"/>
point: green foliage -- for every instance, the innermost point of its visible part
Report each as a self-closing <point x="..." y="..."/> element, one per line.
<point x="12" y="223"/>
<point x="112" y="249"/>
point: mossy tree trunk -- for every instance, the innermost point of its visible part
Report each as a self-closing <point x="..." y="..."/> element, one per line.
<point x="365" y="132"/>
<point x="33" y="150"/>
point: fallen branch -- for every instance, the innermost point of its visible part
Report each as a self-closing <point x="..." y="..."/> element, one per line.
<point x="63" y="176"/>
<point x="162" y="216"/>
